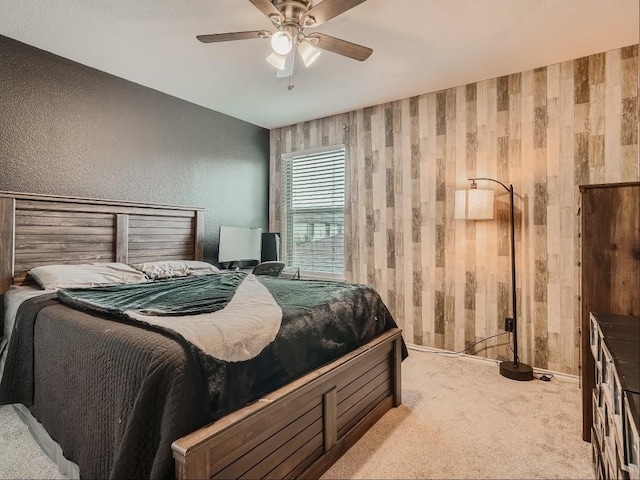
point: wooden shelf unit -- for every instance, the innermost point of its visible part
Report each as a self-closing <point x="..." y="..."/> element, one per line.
<point x="615" y="346"/>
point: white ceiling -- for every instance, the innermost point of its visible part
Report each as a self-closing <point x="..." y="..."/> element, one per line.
<point x="419" y="46"/>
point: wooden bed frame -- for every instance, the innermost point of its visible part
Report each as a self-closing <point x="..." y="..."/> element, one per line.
<point x="299" y="430"/>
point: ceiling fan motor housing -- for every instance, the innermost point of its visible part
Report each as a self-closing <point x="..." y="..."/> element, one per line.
<point x="292" y="10"/>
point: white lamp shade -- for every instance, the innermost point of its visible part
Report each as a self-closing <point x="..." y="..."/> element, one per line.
<point x="281" y="42"/>
<point x="308" y="52"/>
<point x="277" y="60"/>
<point x="474" y="204"/>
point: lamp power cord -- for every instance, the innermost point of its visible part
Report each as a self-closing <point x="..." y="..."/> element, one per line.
<point x="544" y="376"/>
<point x="469" y="348"/>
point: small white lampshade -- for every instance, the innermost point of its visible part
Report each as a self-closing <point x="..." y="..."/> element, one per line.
<point x="474" y="204"/>
<point x="308" y="52"/>
<point x="281" y="42"/>
<point x="277" y="60"/>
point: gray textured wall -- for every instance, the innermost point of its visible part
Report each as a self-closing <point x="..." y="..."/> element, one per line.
<point x="67" y="129"/>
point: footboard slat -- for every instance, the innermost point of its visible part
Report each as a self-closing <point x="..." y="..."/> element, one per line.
<point x="312" y="421"/>
<point x="231" y="444"/>
<point x="311" y="460"/>
<point x="290" y="454"/>
<point x="304" y="452"/>
<point x="360" y="409"/>
<point x="348" y="440"/>
<point x="363" y="378"/>
<point x="298" y="430"/>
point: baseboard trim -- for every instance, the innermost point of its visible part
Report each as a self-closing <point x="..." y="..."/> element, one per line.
<point x="567" y="377"/>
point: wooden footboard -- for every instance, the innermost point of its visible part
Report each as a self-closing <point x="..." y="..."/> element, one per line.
<point x="301" y="429"/>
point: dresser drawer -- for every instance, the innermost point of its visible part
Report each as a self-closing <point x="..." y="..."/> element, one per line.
<point x="615" y="399"/>
<point x="631" y="439"/>
<point x="595" y="337"/>
<point x="606" y="364"/>
<point x="598" y="419"/>
<point x="596" y="456"/>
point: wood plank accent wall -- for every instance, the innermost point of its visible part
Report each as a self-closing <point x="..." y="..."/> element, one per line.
<point x="447" y="281"/>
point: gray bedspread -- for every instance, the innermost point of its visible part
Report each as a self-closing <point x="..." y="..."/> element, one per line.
<point x="115" y="393"/>
<point x="114" y="396"/>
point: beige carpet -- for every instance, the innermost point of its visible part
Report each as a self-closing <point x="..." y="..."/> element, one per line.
<point x="459" y="419"/>
<point x="20" y="455"/>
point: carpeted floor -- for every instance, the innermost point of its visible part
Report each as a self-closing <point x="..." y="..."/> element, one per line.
<point x="459" y="419"/>
<point x="20" y="455"/>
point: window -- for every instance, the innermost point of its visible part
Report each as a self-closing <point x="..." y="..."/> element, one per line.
<point x="313" y="206"/>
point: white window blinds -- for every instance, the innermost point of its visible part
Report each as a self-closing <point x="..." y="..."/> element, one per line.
<point x="313" y="207"/>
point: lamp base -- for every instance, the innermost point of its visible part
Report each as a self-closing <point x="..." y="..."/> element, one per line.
<point x="522" y="372"/>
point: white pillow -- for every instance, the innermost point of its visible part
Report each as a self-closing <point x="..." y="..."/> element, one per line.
<point x="175" y="268"/>
<point x="88" y="275"/>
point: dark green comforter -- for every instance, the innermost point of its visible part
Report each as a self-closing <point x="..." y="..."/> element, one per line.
<point x="177" y="296"/>
<point x="321" y="321"/>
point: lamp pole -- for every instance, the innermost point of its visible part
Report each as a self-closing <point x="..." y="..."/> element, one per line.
<point x="513" y="370"/>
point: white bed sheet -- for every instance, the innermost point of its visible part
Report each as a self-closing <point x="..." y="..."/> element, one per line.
<point x="13" y="298"/>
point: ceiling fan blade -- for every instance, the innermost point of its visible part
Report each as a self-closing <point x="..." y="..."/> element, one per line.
<point x="226" y="37"/>
<point x="269" y="9"/>
<point x="326" y="10"/>
<point x="341" y="47"/>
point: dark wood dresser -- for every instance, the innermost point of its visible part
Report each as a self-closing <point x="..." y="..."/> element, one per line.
<point x="615" y="345"/>
<point x="610" y="268"/>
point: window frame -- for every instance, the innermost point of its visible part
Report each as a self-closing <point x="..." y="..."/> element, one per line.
<point x="286" y="208"/>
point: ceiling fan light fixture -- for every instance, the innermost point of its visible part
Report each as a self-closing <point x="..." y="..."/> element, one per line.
<point x="277" y="60"/>
<point x="281" y="42"/>
<point x="308" y="52"/>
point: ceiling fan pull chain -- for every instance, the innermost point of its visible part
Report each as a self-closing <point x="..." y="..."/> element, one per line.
<point x="293" y="64"/>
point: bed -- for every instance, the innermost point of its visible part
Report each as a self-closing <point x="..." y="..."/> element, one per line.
<point x="297" y="430"/>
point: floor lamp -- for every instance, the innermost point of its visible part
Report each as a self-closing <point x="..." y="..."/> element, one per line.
<point x="477" y="204"/>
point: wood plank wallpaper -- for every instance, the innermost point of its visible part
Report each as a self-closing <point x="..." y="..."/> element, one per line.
<point x="447" y="281"/>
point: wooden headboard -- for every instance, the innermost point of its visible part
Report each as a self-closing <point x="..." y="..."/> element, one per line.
<point x="46" y="229"/>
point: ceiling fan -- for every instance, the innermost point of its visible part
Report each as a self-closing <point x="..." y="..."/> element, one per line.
<point x="290" y="18"/>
